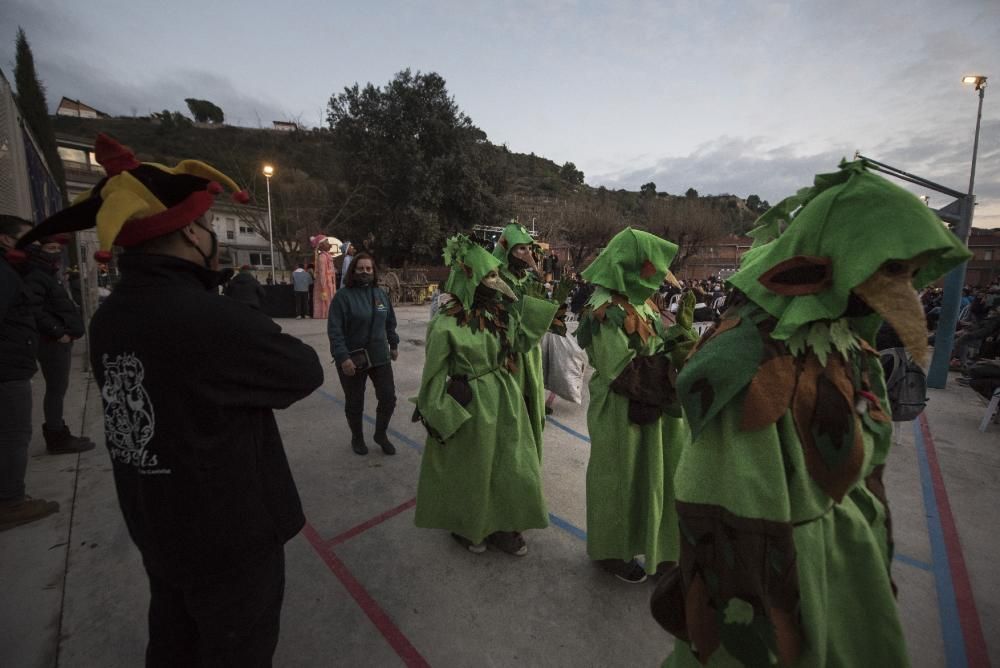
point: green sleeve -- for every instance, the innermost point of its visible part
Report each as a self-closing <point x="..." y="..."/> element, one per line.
<point x="534" y="317"/>
<point x="441" y="412"/>
<point x="609" y="352"/>
<point x="742" y="472"/>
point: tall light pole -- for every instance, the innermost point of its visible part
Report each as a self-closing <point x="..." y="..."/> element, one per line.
<point x="268" y="173"/>
<point x="944" y="339"/>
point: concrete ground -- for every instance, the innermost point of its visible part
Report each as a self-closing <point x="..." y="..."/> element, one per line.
<point x="366" y="588"/>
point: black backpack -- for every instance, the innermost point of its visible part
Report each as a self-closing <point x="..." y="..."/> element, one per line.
<point x="905" y="384"/>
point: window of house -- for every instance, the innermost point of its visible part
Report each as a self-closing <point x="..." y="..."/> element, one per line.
<point x="988" y="254"/>
<point x="72" y="155"/>
<point x="260" y="259"/>
<point x="245" y="230"/>
<point x="230" y="235"/>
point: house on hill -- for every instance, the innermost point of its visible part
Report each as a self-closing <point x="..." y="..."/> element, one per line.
<point x="70" y="107"/>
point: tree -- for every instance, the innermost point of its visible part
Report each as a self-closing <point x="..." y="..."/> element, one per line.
<point x="31" y="100"/>
<point x="585" y="223"/>
<point x="690" y="223"/>
<point x="753" y="202"/>
<point x="648" y="189"/>
<point x="570" y="174"/>
<point x="425" y="170"/>
<point x="172" y="121"/>
<point x="691" y="193"/>
<point x="204" y="111"/>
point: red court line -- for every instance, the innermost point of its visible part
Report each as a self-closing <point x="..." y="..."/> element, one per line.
<point x="406" y="651"/>
<point x="972" y="630"/>
<point x="375" y="521"/>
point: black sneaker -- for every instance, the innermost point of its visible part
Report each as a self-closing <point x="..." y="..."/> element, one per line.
<point x="359" y="447"/>
<point x="384" y="442"/>
<point x="626" y="571"/>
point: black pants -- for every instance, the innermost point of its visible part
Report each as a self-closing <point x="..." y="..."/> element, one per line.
<point x="55" y="359"/>
<point x="232" y="620"/>
<point x="354" y="395"/>
<point x="302" y="304"/>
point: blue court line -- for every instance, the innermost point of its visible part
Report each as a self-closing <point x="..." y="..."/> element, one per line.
<point x="571" y="529"/>
<point x="910" y="561"/>
<point x="568" y="430"/>
<point x="951" y="629"/>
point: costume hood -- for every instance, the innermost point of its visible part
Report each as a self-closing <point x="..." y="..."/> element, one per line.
<point x="634" y="263"/>
<point x="839" y="234"/>
<point x="511" y="236"/>
<point x="469" y="263"/>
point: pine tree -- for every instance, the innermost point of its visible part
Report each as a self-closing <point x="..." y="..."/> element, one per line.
<point x="31" y="100"/>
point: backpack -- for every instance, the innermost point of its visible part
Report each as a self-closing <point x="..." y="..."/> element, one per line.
<point x="905" y="384"/>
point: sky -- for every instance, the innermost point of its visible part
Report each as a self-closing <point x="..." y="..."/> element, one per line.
<point x="719" y="95"/>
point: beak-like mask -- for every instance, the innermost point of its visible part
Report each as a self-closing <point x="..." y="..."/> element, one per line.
<point x="889" y="292"/>
<point x="493" y="281"/>
<point x="672" y="280"/>
<point x="526" y="257"/>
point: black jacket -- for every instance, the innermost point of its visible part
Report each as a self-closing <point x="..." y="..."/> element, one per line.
<point x="18" y="332"/>
<point x="57" y="315"/>
<point x="244" y="288"/>
<point x="189" y="381"/>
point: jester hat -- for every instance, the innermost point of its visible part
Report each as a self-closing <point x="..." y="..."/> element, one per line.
<point x="511" y="236"/>
<point x="138" y="201"/>
<point x="469" y="263"/>
<point x="634" y="263"/>
<point x="839" y="234"/>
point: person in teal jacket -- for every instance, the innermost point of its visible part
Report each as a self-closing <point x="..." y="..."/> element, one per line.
<point x="363" y="341"/>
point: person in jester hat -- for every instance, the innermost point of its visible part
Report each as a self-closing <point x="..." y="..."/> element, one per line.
<point x="518" y="270"/>
<point x="786" y="548"/>
<point x="480" y="476"/>
<point x="634" y="421"/>
<point x="189" y="380"/>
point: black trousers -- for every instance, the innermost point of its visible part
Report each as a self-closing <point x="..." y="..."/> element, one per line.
<point x="302" y="304"/>
<point x="354" y="395"/>
<point x="231" y="620"/>
<point x="55" y="359"/>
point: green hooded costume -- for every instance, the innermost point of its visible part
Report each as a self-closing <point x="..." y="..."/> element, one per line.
<point x="634" y="446"/>
<point x="480" y="471"/>
<point x="786" y="549"/>
<point x="529" y="363"/>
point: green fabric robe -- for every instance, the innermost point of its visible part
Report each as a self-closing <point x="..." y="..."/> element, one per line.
<point x="486" y="475"/>
<point x="630" y="495"/>
<point x="529" y="375"/>
<point x="841" y="551"/>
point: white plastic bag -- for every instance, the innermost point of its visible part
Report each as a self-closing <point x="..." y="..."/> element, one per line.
<point x="563" y="364"/>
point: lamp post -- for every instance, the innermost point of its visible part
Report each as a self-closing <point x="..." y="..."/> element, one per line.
<point x="268" y="173"/>
<point x="944" y="339"/>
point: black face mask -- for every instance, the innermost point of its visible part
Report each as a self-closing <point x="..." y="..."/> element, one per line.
<point x="207" y="259"/>
<point x="517" y="266"/>
<point x="485" y="295"/>
<point x="363" y="280"/>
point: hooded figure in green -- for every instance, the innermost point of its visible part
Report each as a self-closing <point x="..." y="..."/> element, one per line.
<point x="786" y="549"/>
<point x="480" y="476"/>
<point x="518" y="270"/>
<point x="636" y="432"/>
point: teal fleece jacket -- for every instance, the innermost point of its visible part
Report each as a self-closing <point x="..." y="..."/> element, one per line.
<point x="350" y="320"/>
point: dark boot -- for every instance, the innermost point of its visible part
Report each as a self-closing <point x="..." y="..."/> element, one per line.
<point x="24" y="510"/>
<point x="357" y="435"/>
<point x="61" y="441"/>
<point x="382" y="418"/>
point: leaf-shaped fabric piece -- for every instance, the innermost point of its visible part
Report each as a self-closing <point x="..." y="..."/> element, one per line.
<point x="770" y="392"/>
<point x="818" y="339"/>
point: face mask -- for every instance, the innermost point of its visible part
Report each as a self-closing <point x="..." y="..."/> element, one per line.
<point x="494" y="282"/>
<point x="364" y="280"/>
<point x="208" y="259"/>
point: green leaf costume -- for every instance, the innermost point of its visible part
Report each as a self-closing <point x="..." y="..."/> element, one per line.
<point x="480" y="471"/>
<point x="529" y="364"/>
<point x="787" y="544"/>
<point x="630" y="509"/>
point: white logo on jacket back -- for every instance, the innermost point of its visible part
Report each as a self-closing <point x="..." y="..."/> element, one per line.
<point x="129" y="419"/>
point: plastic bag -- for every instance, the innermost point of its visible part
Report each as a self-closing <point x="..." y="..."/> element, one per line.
<point x="563" y="365"/>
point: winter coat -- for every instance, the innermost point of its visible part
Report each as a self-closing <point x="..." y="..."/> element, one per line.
<point x="189" y="381"/>
<point x="18" y="332"/>
<point x="349" y="324"/>
<point x="57" y="316"/>
<point x="245" y="289"/>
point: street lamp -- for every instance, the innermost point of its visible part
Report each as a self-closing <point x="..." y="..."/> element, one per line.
<point x="937" y="376"/>
<point x="268" y="173"/>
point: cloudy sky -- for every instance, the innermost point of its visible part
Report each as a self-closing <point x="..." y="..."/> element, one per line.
<point x="719" y="95"/>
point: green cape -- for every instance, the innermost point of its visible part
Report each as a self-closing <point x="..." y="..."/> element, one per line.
<point x="633" y="263"/>
<point x="850" y="223"/>
<point x="469" y="263"/>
